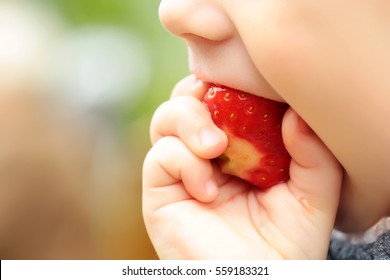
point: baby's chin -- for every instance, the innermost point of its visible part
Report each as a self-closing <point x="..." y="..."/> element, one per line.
<point x="359" y="219"/>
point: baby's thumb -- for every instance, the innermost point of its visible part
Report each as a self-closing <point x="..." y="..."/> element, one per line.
<point x="315" y="174"/>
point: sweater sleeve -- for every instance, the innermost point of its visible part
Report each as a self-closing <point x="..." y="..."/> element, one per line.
<point x="344" y="250"/>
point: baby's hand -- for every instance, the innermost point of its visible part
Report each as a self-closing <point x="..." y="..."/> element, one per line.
<point x="192" y="211"/>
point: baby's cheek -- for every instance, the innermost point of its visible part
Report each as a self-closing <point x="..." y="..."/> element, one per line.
<point x="282" y="48"/>
<point x="286" y="59"/>
<point x="288" y="43"/>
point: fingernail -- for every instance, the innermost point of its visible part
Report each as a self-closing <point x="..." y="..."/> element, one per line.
<point x="210" y="137"/>
<point x="211" y="188"/>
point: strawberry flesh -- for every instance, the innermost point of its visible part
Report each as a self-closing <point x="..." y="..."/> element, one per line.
<point x="255" y="151"/>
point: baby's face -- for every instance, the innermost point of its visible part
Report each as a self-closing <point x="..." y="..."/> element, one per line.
<point x="318" y="56"/>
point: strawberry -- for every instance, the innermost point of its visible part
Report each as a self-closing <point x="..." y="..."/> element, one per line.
<point x="255" y="151"/>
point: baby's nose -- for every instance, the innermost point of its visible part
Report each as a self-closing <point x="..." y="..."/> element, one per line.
<point x="202" y="18"/>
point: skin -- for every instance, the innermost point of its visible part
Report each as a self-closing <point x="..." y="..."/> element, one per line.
<point x="188" y="205"/>
<point x="328" y="60"/>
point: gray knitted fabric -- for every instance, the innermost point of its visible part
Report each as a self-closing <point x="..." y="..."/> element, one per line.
<point x="344" y="250"/>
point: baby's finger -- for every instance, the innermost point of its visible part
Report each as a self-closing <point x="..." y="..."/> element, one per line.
<point x="187" y="118"/>
<point x="171" y="173"/>
<point x="190" y="86"/>
<point x="315" y="174"/>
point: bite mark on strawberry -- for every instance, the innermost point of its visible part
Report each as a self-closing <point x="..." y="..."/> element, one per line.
<point x="255" y="151"/>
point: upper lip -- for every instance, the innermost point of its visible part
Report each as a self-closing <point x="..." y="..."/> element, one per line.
<point x="214" y="77"/>
<point x="266" y="91"/>
<point x="216" y="64"/>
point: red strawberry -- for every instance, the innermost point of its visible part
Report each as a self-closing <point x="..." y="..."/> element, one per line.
<point x="255" y="152"/>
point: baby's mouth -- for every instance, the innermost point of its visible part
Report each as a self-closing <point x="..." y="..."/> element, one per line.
<point x="232" y="86"/>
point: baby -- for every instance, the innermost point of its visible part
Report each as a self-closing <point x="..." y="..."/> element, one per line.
<point x="329" y="61"/>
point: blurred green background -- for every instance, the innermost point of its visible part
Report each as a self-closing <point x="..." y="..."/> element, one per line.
<point x="79" y="82"/>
